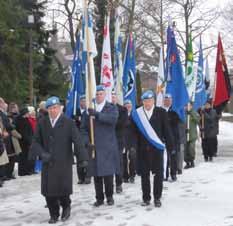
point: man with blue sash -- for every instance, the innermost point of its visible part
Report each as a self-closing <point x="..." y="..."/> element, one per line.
<point x="152" y="131"/>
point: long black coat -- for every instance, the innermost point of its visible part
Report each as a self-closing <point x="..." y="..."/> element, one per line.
<point x="148" y="157"/>
<point x="210" y="123"/>
<point x="106" y="161"/>
<point x="173" y="121"/>
<point x="130" y="134"/>
<point x="56" y="177"/>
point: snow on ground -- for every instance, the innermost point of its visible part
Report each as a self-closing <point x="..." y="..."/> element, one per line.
<point x="202" y="196"/>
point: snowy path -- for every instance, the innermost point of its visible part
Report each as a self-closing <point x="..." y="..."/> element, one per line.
<point x="202" y="196"/>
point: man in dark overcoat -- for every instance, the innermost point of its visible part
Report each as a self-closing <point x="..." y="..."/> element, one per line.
<point x="53" y="141"/>
<point x="149" y="157"/>
<point x="173" y="121"/>
<point x="82" y="172"/>
<point x="120" y="134"/>
<point x="106" y="160"/>
<point x="129" y="155"/>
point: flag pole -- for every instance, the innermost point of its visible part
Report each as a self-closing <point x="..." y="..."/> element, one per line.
<point x="215" y="77"/>
<point x="90" y="91"/>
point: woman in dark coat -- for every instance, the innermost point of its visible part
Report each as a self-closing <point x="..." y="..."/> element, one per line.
<point x="24" y="128"/>
<point x="210" y="132"/>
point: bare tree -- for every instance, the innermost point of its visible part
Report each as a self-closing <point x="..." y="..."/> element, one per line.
<point x="193" y="16"/>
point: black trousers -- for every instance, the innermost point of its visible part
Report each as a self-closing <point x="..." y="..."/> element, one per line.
<point x="171" y="163"/>
<point x="2" y="171"/>
<point x="54" y="203"/>
<point x="10" y="166"/>
<point x="209" y="147"/>
<point x="146" y="186"/>
<point x="129" y="162"/>
<point x="81" y="172"/>
<point x="101" y="183"/>
<point x="118" y="179"/>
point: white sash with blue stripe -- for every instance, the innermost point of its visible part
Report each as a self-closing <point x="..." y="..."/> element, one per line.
<point x="146" y="129"/>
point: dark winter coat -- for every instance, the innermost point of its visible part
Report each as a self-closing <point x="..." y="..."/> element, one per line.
<point x="148" y="157"/>
<point x="210" y="123"/>
<point x="56" y="176"/>
<point x="106" y="161"/>
<point x="130" y="134"/>
<point x="120" y="126"/>
<point x="173" y="121"/>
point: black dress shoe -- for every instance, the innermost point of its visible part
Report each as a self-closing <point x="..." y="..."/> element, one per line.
<point x="65" y="213"/>
<point x="80" y="182"/>
<point x="145" y="203"/>
<point x="157" y="203"/>
<point x="187" y="166"/>
<point x="1" y="183"/>
<point x="53" y="220"/>
<point x="110" y="201"/>
<point x="179" y="171"/>
<point x="87" y="180"/>
<point x="174" y="178"/>
<point x="118" y="189"/>
<point x="131" y="180"/>
<point x="192" y="165"/>
<point x="98" y="203"/>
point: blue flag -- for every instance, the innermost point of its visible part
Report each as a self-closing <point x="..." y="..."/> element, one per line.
<point x="200" y="93"/>
<point x="77" y="85"/>
<point x="129" y="72"/>
<point x="175" y="80"/>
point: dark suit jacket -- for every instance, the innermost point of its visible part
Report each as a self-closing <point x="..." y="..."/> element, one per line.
<point x="148" y="157"/>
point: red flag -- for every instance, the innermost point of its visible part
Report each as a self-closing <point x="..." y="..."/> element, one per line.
<point x="222" y="81"/>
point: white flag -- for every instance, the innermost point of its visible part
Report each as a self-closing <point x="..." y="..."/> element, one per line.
<point x="106" y="63"/>
<point x="160" y="88"/>
<point x="118" y="65"/>
<point x="89" y="52"/>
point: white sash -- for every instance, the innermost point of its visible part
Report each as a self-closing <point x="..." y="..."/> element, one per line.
<point x="146" y="129"/>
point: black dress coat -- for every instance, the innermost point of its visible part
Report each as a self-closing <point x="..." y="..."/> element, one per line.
<point x="210" y="123"/>
<point x="150" y="158"/>
<point x="56" y="176"/>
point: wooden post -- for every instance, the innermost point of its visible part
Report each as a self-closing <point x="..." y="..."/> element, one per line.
<point x="89" y="65"/>
<point x="188" y="122"/>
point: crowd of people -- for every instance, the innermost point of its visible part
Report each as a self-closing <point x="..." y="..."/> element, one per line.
<point x="111" y="142"/>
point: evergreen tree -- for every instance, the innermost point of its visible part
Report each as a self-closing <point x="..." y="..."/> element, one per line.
<point x="14" y="52"/>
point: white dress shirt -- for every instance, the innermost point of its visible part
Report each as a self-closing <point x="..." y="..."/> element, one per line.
<point x="99" y="107"/>
<point x="54" y="121"/>
<point x="150" y="112"/>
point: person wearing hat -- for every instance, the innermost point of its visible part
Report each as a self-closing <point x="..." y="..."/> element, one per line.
<point x="129" y="155"/>
<point x="120" y="133"/>
<point x="53" y="139"/>
<point x="105" y="163"/>
<point x="210" y="131"/>
<point x="173" y="120"/>
<point x="23" y="126"/>
<point x="83" y="176"/>
<point x="149" y="157"/>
